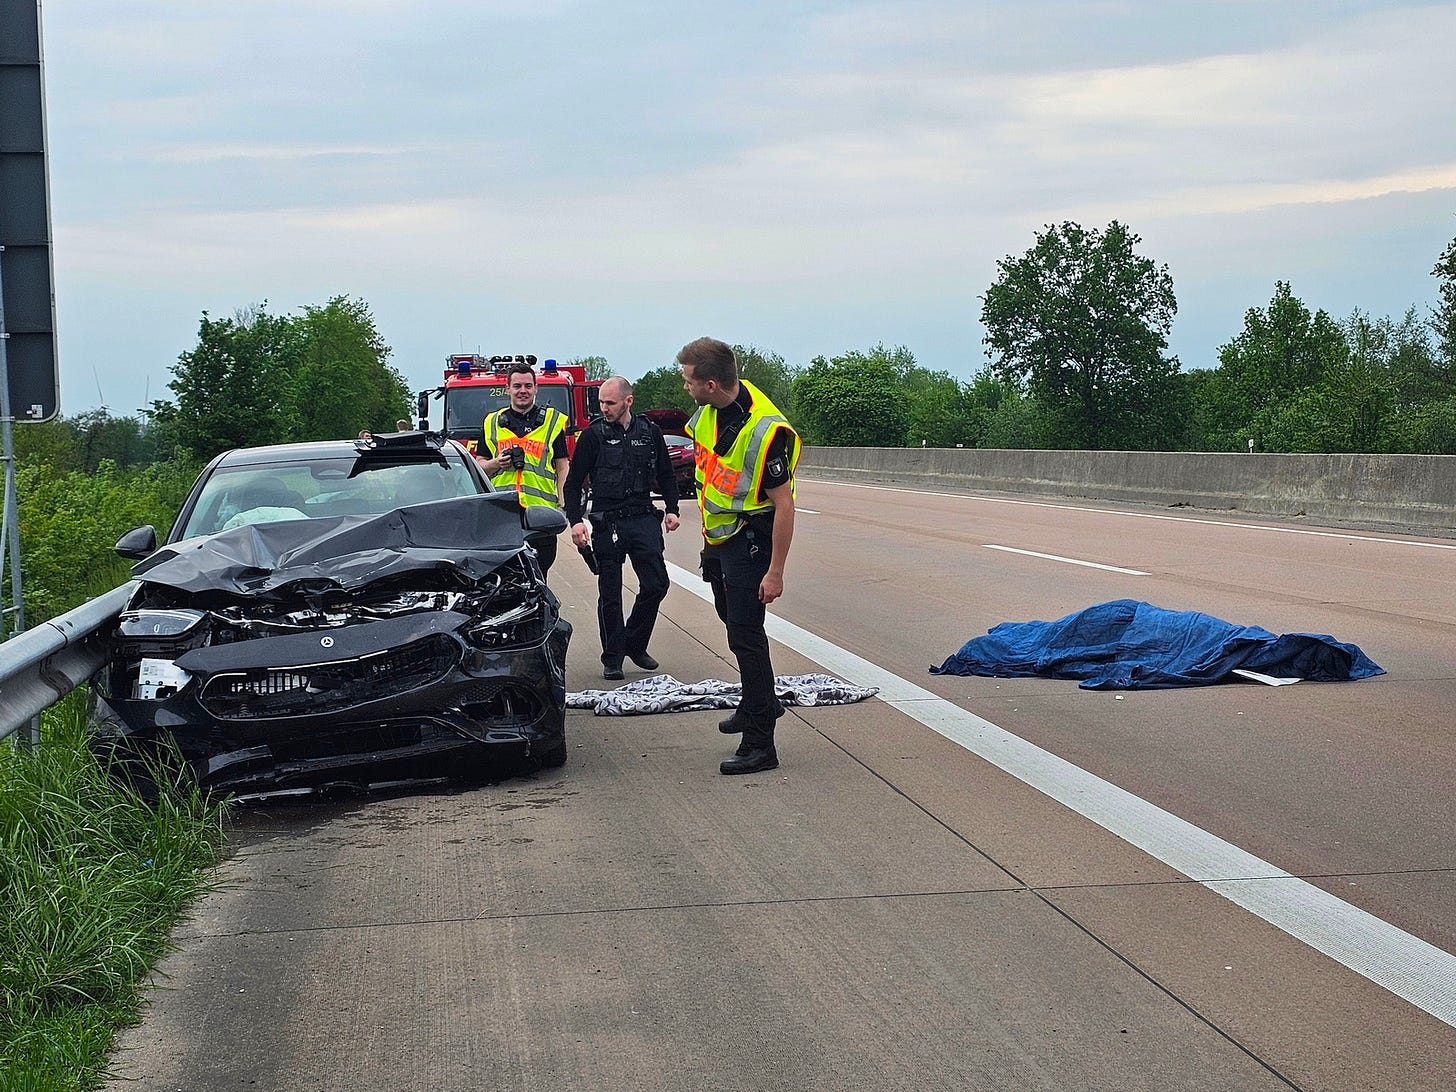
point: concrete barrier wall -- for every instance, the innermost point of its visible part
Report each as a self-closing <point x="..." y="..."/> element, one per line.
<point x="1417" y="491"/>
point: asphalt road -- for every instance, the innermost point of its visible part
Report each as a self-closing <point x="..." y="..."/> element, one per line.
<point x="964" y="883"/>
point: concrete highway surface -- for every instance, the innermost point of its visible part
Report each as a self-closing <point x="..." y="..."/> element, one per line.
<point x="963" y="883"/>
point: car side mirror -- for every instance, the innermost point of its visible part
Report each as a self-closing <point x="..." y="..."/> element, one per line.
<point x="543" y="520"/>
<point x="139" y="543"/>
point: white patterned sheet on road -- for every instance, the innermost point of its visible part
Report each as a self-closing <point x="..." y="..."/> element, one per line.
<point x="665" y="694"/>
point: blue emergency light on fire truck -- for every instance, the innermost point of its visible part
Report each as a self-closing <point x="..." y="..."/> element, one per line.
<point x="475" y="386"/>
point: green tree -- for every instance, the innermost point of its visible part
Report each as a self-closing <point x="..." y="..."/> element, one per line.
<point x="102" y="437"/>
<point x="1418" y="375"/>
<point x="938" y="410"/>
<point x="1017" y="422"/>
<point x="1082" y="320"/>
<point x="1443" y="316"/>
<point x="260" y="378"/>
<point x="84" y="441"/>
<point x="595" y="367"/>
<point x="1431" y="429"/>
<point x="234" y="388"/>
<point x="343" y="381"/>
<point x="1282" y="352"/>
<point x="981" y="398"/>
<point x="768" y="372"/>
<point x="854" y="400"/>
<point x="1348" y="409"/>
<point x="52" y="444"/>
<point x="661" y="388"/>
<point x="1155" y="415"/>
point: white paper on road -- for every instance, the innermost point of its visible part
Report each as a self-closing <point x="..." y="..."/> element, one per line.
<point x="1267" y="680"/>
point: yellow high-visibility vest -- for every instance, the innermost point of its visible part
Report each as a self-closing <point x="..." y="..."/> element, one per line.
<point x="728" y="485"/>
<point x="536" y="484"/>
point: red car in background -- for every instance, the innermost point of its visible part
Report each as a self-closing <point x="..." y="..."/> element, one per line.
<point x="674" y="425"/>
<point x="684" y="464"/>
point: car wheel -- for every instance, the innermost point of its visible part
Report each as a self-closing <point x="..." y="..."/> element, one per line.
<point x="556" y="756"/>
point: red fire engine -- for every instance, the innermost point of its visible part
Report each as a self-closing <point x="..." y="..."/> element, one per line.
<point x="475" y="386"/>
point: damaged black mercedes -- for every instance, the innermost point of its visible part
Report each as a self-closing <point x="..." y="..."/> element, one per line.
<point x="339" y="615"/>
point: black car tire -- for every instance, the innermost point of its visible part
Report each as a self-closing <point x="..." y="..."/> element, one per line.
<point x="556" y="756"/>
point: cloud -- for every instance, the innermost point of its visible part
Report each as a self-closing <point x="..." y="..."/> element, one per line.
<point x="1229" y="199"/>
<point x="836" y="166"/>
<point x="211" y="153"/>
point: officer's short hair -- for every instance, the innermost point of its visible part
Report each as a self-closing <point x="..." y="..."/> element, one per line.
<point x="710" y="358"/>
<point x="522" y="367"/>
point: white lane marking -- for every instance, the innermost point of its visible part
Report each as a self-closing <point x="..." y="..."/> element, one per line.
<point x="1405" y="965"/>
<point x="805" y="511"/>
<point x="1133" y="515"/>
<point x="1067" y="560"/>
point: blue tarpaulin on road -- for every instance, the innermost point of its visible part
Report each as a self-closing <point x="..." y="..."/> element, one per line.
<point x="1130" y="645"/>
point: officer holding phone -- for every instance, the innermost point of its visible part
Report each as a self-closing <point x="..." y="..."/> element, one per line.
<point x="525" y="451"/>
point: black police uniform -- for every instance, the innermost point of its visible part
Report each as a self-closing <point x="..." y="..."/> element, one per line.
<point x="520" y="424"/>
<point x="624" y="465"/>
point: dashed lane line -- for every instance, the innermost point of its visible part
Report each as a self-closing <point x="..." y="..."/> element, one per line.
<point x="1065" y="560"/>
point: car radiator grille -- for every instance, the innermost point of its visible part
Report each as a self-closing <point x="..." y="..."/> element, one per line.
<point x="266" y="693"/>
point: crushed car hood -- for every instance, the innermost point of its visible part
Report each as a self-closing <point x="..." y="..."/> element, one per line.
<point x="472" y="535"/>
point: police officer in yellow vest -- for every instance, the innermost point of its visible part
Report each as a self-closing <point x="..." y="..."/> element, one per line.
<point x="746" y="454"/>
<point x="525" y="450"/>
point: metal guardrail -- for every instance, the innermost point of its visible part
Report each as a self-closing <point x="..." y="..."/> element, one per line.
<point x="42" y="665"/>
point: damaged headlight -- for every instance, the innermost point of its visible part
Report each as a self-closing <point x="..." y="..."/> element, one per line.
<point x="159" y="623"/>
<point x="513" y="608"/>
<point x="156" y="637"/>
<point x="522" y="626"/>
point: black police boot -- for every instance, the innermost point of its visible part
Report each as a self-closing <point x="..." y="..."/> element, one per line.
<point x="734" y="722"/>
<point x="643" y="660"/>
<point x="737" y="722"/>
<point x="759" y="758"/>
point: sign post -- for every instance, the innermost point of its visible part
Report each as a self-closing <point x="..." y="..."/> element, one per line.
<point x="29" y="381"/>
<point x="25" y="222"/>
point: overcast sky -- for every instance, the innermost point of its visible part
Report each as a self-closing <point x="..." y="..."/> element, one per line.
<point x="573" y="178"/>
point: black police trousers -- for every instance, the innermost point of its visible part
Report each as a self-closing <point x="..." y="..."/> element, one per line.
<point x="615" y="539"/>
<point x="545" y="547"/>
<point x="734" y="569"/>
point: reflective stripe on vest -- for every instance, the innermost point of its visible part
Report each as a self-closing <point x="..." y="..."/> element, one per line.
<point x="536" y="484"/>
<point x="728" y="485"/>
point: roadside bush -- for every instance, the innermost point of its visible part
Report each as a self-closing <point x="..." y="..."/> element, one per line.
<point x="92" y="878"/>
<point x="69" y="523"/>
<point x="1431" y="429"/>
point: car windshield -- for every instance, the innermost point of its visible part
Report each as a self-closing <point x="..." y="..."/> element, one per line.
<point x="678" y="441"/>
<point x="307" y="489"/>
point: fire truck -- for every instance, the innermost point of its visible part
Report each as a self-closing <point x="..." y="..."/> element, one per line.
<point x="475" y="386"/>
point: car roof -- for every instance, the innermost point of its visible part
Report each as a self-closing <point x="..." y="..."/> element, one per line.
<point x="398" y="443"/>
<point x="671" y="421"/>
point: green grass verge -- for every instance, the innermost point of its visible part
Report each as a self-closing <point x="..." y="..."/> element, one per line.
<point x="92" y="878"/>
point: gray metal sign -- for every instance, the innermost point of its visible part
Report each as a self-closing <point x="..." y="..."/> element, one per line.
<point x="27" y="296"/>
